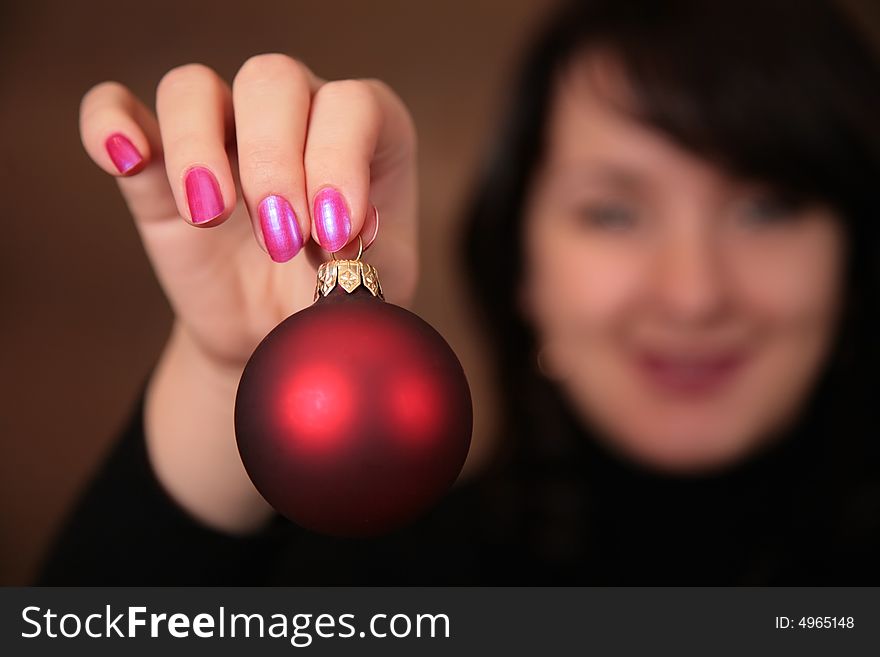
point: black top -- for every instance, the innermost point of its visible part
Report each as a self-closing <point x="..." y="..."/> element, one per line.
<point x="584" y="517"/>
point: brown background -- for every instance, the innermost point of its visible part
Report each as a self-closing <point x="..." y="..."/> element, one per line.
<point x="82" y="317"/>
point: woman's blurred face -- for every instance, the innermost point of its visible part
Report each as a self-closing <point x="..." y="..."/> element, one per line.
<point x="684" y="312"/>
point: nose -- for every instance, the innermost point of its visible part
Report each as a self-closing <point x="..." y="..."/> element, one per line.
<point x="688" y="282"/>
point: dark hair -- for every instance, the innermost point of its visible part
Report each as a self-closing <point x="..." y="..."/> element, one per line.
<point x="783" y="92"/>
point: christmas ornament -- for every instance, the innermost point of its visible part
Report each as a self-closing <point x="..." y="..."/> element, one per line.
<point x="353" y="416"/>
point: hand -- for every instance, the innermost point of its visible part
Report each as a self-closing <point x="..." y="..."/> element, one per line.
<point x="194" y="175"/>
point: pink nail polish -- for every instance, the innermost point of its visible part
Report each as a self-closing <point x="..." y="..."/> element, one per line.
<point x="280" y="229"/>
<point x="203" y="195"/>
<point x="332" y="222"/>
<point x="123" y="153"/>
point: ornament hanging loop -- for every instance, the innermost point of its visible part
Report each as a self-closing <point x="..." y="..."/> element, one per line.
<point x="350" y="274"/>
<point x="376" y="230"/>
<point x="361" y="250"/>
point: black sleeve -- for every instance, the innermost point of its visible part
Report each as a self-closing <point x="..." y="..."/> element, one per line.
<point x="126" y="530"/>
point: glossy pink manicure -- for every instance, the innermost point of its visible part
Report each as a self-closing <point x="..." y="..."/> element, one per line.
<point x="203" y="195"/>
<point x="123" y="153"/>
<point x="280" y="229"/>
<point x="332" y="222"/>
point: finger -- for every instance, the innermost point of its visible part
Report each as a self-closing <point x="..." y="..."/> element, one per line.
<point x="357" y="128"/>
<point x="194" y="106"/>
<point x="271" y="98"/>
<point x="122" y="136"/>
<point x="110" y="134"/>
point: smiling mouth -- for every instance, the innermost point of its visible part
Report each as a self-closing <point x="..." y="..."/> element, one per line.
<point x="690" y="374"/>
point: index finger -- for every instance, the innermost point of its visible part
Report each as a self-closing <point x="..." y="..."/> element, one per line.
<point x="360" y="132"/>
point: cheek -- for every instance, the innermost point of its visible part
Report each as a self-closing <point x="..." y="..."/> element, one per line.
<point x="794" y="286"/>
<point x="791" y="297"/>
<point x="578" y="286"/>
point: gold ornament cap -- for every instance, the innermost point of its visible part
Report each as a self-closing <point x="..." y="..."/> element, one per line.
<point x="348" y="275"/>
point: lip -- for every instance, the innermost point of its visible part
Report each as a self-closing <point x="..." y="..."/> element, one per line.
<point x="690" y="374"/>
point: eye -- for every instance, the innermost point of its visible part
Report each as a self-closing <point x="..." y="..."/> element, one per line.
<point x="770" y="208"/>
<point x="608" y="215"/>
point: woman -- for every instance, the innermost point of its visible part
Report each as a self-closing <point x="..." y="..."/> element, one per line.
<point x="672" y="247"/>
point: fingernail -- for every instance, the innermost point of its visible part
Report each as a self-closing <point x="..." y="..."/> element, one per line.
<point x="280" y="229"/>
<point x="123" y="153"/>
<point x="203" y="195"/>
<point x="333" y="224"/>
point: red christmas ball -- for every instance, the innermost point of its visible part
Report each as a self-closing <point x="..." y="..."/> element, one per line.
<point x="353" y="416"/>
